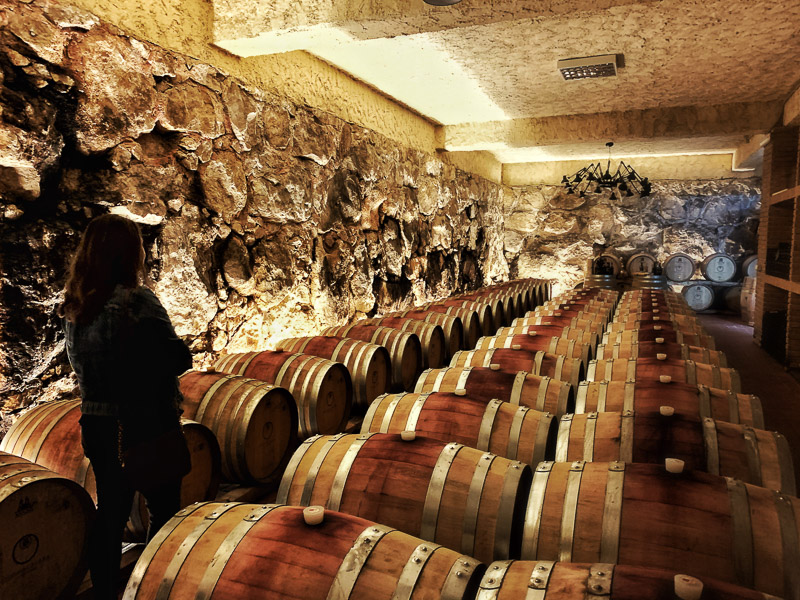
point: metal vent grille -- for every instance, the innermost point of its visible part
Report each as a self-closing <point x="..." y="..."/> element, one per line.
<point x="604" y="65"/>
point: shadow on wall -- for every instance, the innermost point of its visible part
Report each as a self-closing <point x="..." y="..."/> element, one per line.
<point x="262" y="219"/>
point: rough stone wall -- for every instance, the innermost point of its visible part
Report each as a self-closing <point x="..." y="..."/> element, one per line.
<point x="262" y="219"/>
<point x="551" y="234"/>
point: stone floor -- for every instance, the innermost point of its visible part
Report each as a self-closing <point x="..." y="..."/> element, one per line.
<point x="761" y="375"/>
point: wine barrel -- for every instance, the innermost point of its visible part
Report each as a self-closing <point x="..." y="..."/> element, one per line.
<point x="750" y="266"/>
<point x="557" y="366"/>
<point x="50" y="435"/>
<point x="369" y="364"/>
<point x="654" y="335"/>
<point x="584" y="322"/>
<point x="553" y="345"/>
<point x="657" y="323"/>
<point x="671" y="349"/>
<point x="641" y="262"/>
<point x="699" y="296"/>
<point x="469" y="318"/>
<point x="506" y="300"/>
<point x="688" y="400"/>
<point x="452" y="326"/>
<point x="602" y="281"/>
<point x="46" y="520"/>
<point x="445" y="493"/>
<point x="521" y="388"/>
<point x="747" y="301"/>
<point x="321" y="388"/>
<point x="585" y="311"/>
<point x="236" y="550"/>
<point x="483" y="310"/>
<point x="514" y="432"/>
<point x="649" y="281"/>
<point x="679" y="314"/>
<point x="493" y="301"/>
<point x="607" y="264"/>
<point x="639" y="514"/>
<point x="405" y="349"/>
<point x="434" y="344"/>
<point x="731" y="298"/>
<point x="254" y="422"/>
<point x="581" y="336"/>
<point x="679" y="267"/>
<point x="752" y="455"/>
<point x="718" y="268"/>
<point x="653" y="369"/>
<point x="516" y="579"/>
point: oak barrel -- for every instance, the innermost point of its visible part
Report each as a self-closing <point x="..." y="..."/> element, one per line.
<point x="640" y="514"/>
<point x="369" y="364"/>
<point x="447" y="493"/>
<point x="553" y="345"/>
<point x="689" y="400"/>
<point x="653" y="335"/>
<point x="514" y="432"/>
<point x="321" y="388"/>
<point x="254" y="422"/>
<point x="493" y="301"/>
<point x="582" y="336"/>
<point x="584" y="322"/>
<point x="557" y="366"/>
<point x="699" y="296"/>
<point x="469" y="318"/>
<point x="549" y="580"/>
<point x="483" y="311"/>
<point x="405" y="349"/>
<point x="752" y="455"/>
<point x="50" y="435"/>
<point x="45" y="526"/>
<point x="671" y="349"/>
<point x="431" y="336"/>
<point x="679" y="267"/>
<point x="232" y="551"/>
<point x="653" y="369"/>
<point x="521" y="388"/>
<point x="718" y="267"/>
<point x="452" y="326"/>
<point x="658" y="324"/>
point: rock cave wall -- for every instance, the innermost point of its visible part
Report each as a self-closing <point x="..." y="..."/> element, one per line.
<point x="262" y="219"/>
<point x="551" y="234"/>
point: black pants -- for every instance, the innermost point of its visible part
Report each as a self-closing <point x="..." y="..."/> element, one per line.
<point x="100" y="436"/>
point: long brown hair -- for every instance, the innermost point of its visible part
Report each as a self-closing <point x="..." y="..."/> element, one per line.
<point x="109" y="254"/>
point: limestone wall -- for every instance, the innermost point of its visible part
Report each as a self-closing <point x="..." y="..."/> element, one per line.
<point x="262" y="218"/>
<point x="551" y="234"/>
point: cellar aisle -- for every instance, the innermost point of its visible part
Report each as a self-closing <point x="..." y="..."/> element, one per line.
<point x="761" y="375"/>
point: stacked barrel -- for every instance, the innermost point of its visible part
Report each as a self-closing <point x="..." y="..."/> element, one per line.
<point x="588" y="446"/>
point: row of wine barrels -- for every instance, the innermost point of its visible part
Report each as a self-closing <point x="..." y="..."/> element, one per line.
<point x="587" y="323"/>
<point x="690" y="400"/>
<point x="671" y="349"/>
<point x="494" y="304"/>
<point x="508" y="304"/>
<point x="236" y="550"/>
<point x="605" y="281"/>
<point x="655" y="314"/>
<point x="50" y="436"/>
<point x="652" y="334"/>
<point x="551" y="580"/>
<point x="369" y="364"/>
<point x="521" y="388"/>
<point x="639" y="514"/>
<point x="648" y="281"/>
<point x="679" y="267"/>
<point x="557" y="366"/>
<point x="322" y="389"/>
<point x="446" y="493"/>
<point x="254" y="422"/>
<point x="45" y="526"/>
<point x="552" y="345"/>
<point x="452" y="326"/>
<point x="664" y="370"/>
<point x="581" y="336"/>
<point x="405" y="349"/>
<point x="431" y="336"/>
<point x="469" y="318"/>
<point x="510" y="431"/>
<point x="751" y="455"/>
<point x="484" y="315"/>
<point x="657" y="324"/>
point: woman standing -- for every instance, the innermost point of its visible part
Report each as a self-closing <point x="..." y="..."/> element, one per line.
<point x="125" y="353"/>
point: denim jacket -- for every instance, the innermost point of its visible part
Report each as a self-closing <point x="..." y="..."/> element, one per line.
<point x="127" y="361"/>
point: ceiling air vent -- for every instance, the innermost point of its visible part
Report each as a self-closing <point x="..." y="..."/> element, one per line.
<point x="604" y="65"/>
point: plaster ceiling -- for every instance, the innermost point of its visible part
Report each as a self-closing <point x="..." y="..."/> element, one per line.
<point x="486" y="68"/>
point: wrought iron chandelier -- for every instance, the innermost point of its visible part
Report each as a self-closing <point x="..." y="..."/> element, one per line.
<point x="591" y="180"/>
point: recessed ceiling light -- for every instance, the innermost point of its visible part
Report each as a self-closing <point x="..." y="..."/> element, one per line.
<point x="442" y="2"/>
<point x="604" y="65"/>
